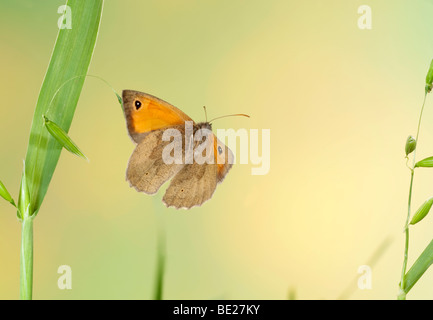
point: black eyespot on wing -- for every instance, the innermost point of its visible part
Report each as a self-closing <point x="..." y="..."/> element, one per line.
<point x="220" y="150"/>
<point x="137" y="104"/>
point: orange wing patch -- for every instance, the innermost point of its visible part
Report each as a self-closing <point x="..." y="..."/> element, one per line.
<point x="145" y="113"/>
<point x="155" y="115"/>
<point x="224" y="160"/>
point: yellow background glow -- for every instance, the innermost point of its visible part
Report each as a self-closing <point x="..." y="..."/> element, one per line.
<point x="339" y="102"/>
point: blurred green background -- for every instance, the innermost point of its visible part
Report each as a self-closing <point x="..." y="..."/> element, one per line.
<point x="339" y="101"/>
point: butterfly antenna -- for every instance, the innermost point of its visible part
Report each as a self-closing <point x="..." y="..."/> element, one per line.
<point x="205" y="113"/>
<point x="231" y="115"/>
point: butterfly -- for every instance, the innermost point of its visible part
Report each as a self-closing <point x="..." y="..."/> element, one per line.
<point x="192" y="182"/>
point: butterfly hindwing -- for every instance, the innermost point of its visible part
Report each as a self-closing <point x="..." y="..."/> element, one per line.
<point x="195" y="183"/>
<point x="223" y="157"/>
<point x="191" y="186"/>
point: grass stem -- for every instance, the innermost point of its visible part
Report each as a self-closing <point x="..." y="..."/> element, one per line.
<point x="26" y="259"/>
<point x="402" y="294"/>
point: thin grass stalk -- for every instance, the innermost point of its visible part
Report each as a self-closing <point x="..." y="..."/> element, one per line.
<point x="159" y="277"/>
<point x="26" y="257"/>
<point x="402" y="293"/>
<point x="158" y="289"/>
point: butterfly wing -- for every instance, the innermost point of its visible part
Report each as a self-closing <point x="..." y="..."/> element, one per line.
<point x="195" y="183"/>
<point x="145" y="113"/>
<point x="147" y="170"/>
<point x="147" y="117"/>
<point x="224" y="159"/>
<point x="192" y="186"/>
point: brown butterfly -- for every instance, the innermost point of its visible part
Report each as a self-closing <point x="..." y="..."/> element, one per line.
<point x="192" y="183"/>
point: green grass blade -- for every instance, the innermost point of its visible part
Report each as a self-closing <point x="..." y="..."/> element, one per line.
<point x="70" y="58"/>
<point x="62" y="138"/>
<point x="425" y="163"/>
<point x="291" y="294"/>
<point x="24" y="202"/>
<point x="160" y="269"/>
<point x="429" y="78"/>
<point x="420" y="266"/>
<point x="4" y="193"/>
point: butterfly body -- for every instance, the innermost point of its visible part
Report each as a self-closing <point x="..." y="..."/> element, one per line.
<point x="192" y="182"/>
